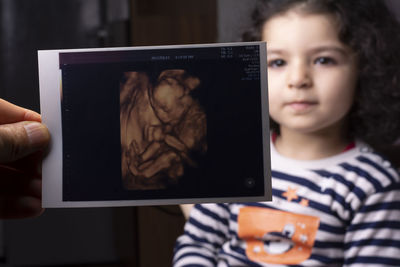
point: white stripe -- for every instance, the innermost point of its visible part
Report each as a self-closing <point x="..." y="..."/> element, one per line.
<point x="315" y="263"/>
<point x="390" y="234"/>
<point x="364" y="265"/>
<point x="329" y="252"/>
<point x="375" y="251"/>
<point x="192" y="260"/>
<point x="210" y="221"/>
<point x="203" y="234"/>
<point x="384" y="164"/>
<point x="328" y="236"/>
<point x="378" y="175"/>
<point x="232" y="260"/>
<point x="376" y="216"/>
<point x="217" y="209"/>
<point x="298" y="209"/>
<point x="343" y="189"/>
<point x="184" y="239"/>
<point x="381" y="197"/>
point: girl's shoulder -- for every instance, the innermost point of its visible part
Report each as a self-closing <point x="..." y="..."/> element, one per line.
<point x="360" y="165"/>
<point x="370" y="163"/>
<point x="367" y="154"/>
<point x="367" y="169"/>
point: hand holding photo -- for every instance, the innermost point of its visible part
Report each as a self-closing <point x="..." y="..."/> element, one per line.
<point x="155" y="125"/>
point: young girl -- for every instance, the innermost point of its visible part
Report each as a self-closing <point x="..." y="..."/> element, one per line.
<point x="333" y="72"/>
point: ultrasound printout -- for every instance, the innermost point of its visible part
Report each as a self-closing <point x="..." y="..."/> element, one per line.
<point x="155" y="125"/>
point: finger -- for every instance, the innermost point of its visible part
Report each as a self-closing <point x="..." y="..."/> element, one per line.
<point x="30" y="165"/>
<point x="14" y="182"/>
<point x="10" y="113"/>
<point x="18" y="207"/>
<point x="20" y="195"/>
<point x="20" y="139"/>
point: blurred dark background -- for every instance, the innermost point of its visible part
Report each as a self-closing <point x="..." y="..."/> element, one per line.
<point x="129" y="236"/>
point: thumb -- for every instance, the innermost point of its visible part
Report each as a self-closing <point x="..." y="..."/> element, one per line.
<point x="20" y="139"/>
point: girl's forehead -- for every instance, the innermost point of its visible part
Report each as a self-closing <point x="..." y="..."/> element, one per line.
<point x="300" y="28"/>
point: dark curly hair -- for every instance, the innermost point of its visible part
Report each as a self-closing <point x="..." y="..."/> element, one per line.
<point x="372" y="31"/>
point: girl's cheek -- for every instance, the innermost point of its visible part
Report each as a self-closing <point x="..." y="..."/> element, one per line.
<point x="276" y="87"/>
<point x="274" y="101"/>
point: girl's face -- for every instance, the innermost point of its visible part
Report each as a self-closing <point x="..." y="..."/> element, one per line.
<point x="311" y="75"/>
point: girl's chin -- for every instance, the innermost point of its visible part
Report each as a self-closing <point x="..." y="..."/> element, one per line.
<point x="315" y="129"/>
<point x="304" y="128"/>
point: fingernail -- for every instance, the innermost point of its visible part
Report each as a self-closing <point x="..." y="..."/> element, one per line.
<point x="37" y="133"/>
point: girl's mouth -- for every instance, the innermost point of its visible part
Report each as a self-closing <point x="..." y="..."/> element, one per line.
<point x="301" y="106"/>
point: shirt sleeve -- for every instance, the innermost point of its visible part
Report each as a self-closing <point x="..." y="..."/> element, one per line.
<point x="206" y="230"/>
<point x="373" y="236"/>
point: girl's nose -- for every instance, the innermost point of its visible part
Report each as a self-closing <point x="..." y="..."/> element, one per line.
<point x="299" y="76"/>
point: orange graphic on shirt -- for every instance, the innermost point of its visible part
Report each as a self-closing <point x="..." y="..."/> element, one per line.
<point x="277" y="237"/>
<point x="304" y="202"/>
<point x="291" y="194"/>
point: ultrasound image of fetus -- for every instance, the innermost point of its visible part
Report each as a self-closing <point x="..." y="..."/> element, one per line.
<point x="162" y="127"/>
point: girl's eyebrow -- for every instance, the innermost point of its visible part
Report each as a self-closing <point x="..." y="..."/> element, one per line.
<point x="318" y="49"/>
<point x="275" y="51"/>
<point x="337" y="49"/>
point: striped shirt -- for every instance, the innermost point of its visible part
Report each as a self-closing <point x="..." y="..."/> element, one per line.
<point x="339" y="211"/>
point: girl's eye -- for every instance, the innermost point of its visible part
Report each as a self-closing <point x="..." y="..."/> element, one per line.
<point x="325" y="61"/>
<point x="276" y="63"/>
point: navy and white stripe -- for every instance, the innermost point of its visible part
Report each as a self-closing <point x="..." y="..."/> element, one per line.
<point x="355" y="196"/>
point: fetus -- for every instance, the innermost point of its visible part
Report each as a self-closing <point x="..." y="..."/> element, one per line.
<point x="161" y="126"/>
